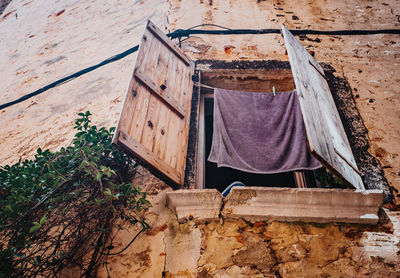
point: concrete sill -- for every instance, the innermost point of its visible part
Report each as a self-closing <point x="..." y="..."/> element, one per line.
<point x="199" y="204"/>
<point x="282" y="204"/>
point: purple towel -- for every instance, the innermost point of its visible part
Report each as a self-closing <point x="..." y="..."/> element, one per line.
<point x="259" y="133"/>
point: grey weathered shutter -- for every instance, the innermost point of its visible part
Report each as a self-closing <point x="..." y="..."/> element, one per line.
<point x="154" y="122"/>
<point x="326" y="136"/>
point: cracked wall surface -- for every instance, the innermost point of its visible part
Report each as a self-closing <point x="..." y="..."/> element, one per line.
<point x="370" y="64"/>
<point x="273" y="249"/>
<point x="241" y="248"/>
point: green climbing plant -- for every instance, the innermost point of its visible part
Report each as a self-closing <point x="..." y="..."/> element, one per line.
<point x="64" y="208"/>
<point x="326" y="179"/>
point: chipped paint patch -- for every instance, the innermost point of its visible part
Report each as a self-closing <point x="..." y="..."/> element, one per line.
<point x="369" y="216"/>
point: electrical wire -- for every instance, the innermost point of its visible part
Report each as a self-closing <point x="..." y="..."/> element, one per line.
<point x="179" y="33"/>
<point x="187" y="32"/>
<point x="208" y="24"/>
<point x="71" y="77"/>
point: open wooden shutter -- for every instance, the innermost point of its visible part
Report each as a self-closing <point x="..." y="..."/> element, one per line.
<point x="154" y="122"/>
<point x="326" y="136"/>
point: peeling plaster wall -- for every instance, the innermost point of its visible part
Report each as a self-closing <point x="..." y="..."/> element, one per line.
<point x="276" y="249"/>
<point x="371" y="64"/>
<point x="42" y="41"/>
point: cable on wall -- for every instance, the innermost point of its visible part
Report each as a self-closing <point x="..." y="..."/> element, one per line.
<point x="179" y="33"/>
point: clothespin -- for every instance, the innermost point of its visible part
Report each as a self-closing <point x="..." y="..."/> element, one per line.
<point x="273" y="90"/>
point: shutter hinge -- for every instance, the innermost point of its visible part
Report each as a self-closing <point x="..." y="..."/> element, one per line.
<point x="195" y="77"/>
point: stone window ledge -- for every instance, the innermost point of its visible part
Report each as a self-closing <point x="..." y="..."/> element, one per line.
<point x="282" y="204"/>
<point x="201" y="204"/>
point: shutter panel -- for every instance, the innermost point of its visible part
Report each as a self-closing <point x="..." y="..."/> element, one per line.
<point x="154" y="122"/>
<point x="326" y="136"/>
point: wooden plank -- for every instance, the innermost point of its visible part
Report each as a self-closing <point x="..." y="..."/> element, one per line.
<point x="162" y="133"/>
<point x="151" y="68"/>
<point x="138" y="115"/>
<point x="326" y="136"/>
<point x="300" y="179"/>
<point x="172" y="138"/>
<point x="184" y="81"/>
<point x="162" y="94"/>
<point x="130" y="102"/>
<point x="343" y="164"/>
<point x="309" y="104"/>
<point x="168" y="43"/>
<point x="147" y="155"/>
<point x="188" y="84"/>
<point x="154" y="120"/>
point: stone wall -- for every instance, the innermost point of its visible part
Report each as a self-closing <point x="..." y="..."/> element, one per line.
<point x="273" y="249"/>
<point x="243" y="248"/>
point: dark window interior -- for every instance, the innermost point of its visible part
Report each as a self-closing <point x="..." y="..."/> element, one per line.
<point x="255" y="80"/>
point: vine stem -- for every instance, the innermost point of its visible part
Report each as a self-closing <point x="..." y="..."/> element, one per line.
<point x="126" y="247"/>
<point x="16" y="221"/>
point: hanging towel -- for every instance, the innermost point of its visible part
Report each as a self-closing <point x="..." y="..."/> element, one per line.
<point x="259" y="133"/>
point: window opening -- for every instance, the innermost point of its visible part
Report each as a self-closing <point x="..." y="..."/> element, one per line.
<point x="155" y="119"/>
<point x="211" y="176"/>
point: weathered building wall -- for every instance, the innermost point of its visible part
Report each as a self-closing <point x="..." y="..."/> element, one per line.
<point x="239" y="248"/>
<point x="369" y="63"/>
<point x="42" y="41"/>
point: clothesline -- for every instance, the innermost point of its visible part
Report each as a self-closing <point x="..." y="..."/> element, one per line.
<point x="213" y="88"/>
<point x="205" y="86"/>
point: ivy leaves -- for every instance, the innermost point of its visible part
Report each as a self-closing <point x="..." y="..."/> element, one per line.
<point x="36" y="225"/>
<point x="62" y="201"/>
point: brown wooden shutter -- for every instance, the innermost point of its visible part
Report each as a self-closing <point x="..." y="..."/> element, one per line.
<point x="154" y="122"/>
<point x="326" y="136"/>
